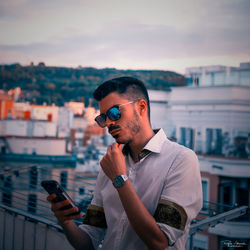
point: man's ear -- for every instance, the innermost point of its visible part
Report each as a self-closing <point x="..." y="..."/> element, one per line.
<point x="143" y="107"/>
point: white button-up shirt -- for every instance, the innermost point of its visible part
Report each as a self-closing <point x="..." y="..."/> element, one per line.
<point x="168" y="173"/>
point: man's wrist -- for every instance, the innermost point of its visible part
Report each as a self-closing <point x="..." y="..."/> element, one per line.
<point x="120" y="180"/>
<point x="65" y="223"/>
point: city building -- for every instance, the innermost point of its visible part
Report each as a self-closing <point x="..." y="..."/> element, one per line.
<point x="212" y="117"/>
<point x="219" y="75"/>
<point x="77" y="107"/>
<point x="6" y="105"/>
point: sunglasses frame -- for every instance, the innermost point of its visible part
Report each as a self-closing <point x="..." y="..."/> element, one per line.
<point x="103" y="116"/>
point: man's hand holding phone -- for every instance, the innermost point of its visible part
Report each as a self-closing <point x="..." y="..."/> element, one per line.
<point x="63" y="215"/>
<point x="61" y="204"/>
<point x="66" y="211"/>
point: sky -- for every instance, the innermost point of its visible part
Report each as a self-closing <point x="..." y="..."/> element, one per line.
<point x="131" y="34"/>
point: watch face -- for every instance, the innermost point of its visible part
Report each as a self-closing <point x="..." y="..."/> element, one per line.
<point x="119" y="181"/>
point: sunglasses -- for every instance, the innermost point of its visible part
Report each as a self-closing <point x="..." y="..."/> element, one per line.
<point x="113" y="114"/>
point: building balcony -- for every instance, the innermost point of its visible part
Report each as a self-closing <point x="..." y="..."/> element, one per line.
<point x="225" y="166"/>
<point x="232" y="229"/>
<point x="237" y="228"/>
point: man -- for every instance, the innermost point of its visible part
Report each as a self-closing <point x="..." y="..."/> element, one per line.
<point x="148" y="191"/>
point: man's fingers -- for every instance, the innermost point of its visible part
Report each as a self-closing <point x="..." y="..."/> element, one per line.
<point x="51" y="197"/>
<point x="58" y="205"/>
<point x="63" y="215"/>
<point x="63" y="218"/>
<point x="109" y="149"/>
<point x="113" y="147"/>
<point x="72" y="217"/>
<point x="116" y="146"/>
<point x="67" y="212"/>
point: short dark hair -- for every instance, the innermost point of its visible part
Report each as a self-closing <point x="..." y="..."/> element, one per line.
<point x="129" y="87"/>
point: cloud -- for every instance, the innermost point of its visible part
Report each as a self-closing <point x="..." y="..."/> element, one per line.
<point x="147" y="41"/>
<point x="25" y="9"/>
<point x="95" y="34"/>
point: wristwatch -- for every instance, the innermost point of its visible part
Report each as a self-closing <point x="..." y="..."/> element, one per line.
<point x="120" y="180"/>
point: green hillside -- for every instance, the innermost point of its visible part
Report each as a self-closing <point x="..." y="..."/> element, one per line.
<point x="57" y="85"/>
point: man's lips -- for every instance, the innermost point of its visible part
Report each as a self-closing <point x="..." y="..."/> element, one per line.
<point x="114" y="131"/>
<point x="112" y="128"/>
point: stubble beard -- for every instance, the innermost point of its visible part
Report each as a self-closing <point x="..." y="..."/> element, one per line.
<point x="134" y="127"/>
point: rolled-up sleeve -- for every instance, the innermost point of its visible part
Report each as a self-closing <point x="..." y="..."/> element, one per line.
<point x="94" y="223"/>
<point x="181" y="198"/>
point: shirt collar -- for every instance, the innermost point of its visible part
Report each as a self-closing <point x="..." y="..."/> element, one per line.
<point x="153" y="145"/>
<point x="156" y="142"/>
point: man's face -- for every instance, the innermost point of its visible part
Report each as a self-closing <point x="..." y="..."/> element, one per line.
<point x="128" y="126"/>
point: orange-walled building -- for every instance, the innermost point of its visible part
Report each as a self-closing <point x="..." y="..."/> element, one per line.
<point x="78" y="107"/>
<point x="6" y="105"/>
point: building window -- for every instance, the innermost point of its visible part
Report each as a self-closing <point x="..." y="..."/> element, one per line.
<point x="33" y="174"/>
<point x="7" y="198"/>
<point x="200" y="242"/>
<point x="3" y="149"/>
<point x="205" y="191"/>
<point x="64" y="179"/>
<point x="187" y="137"/>
<point x="25" y="150"/>
<point x="7" y="192"/>
<point x="32" y="200"/>
<point x="212" y="79"/>
<point x="81" y="190"/>
<point x="234" y="192"/>
<point x="241" y="144"/>
<point x="214" y="141"/>
<point x="242" y="195"/>
<point x="226" y="190"/>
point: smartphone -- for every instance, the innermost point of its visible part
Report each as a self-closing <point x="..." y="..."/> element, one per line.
<point x="53" y="187"/>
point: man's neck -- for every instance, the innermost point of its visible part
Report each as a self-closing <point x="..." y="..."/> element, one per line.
<point x="139" y="143"/>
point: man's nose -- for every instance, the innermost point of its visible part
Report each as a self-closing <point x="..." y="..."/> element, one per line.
<point x="109" y="122"/>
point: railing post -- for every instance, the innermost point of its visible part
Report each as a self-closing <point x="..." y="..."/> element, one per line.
<point x="13" y="231"/>
<point x="45" y="240"/>
<point x="34" y="238"/>
<point x="4" y="225"/>
<point x="24" y="220"/>
<point x="191" y="242"/>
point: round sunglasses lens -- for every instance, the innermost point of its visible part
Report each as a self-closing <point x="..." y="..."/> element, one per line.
<point x="114" y="114"/>
<point x="101" y="119"/>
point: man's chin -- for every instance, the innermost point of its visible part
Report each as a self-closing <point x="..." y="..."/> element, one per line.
<point x="119" y="140"/>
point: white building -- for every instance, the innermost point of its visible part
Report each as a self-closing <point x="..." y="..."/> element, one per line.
<point x="65" y="121"/>
<point x="211" y="120"/>
<point x="37" y="145"/>
<point x="212" y="117"/>
<point x="31" y="137"/>
<point x="77" y="107"/>
<point x="219" y="75"/>
<point x="158" y="108"/>
<point x="27" y="128"/>
<point x="44" y="112"/>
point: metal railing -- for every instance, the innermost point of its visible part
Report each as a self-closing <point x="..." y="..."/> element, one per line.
<point x="20" y="189"/>
<point x="22" y="217"/>
<point x="24" y="231"/>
